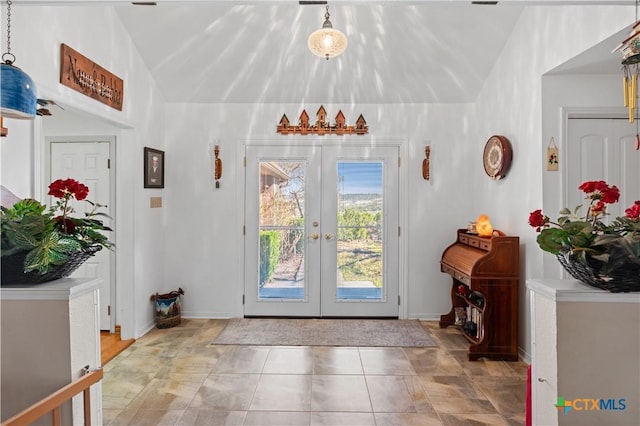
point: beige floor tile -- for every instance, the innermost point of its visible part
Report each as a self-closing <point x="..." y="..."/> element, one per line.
<point x="340" y="393"/>
<point x="145" y="417"/>
<point x="336" y="360"/>
<point x="242" y="359"/>
<point x="462" y="406"/>
<point x="385" y="361"/>
<point x="453" y="387"/>
<point x="176" y="376"/>
<point x="398" y="394"/>
<point x="282" y="392"/>
<point x="407" y="419"/>
<point x="167" y="395"/>
<point x="474" y="420"/>
<point x="289" y="361"/>
<point x="507" y="394"/>
<point x="342" y="419"/>
<point x="207" y="417"/>
<point x="276" y="418"/>
<point x="226" y="392"/>
<point x="433" y="362"/>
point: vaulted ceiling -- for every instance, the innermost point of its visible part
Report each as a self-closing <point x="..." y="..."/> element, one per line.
<point x="398" y="51"/>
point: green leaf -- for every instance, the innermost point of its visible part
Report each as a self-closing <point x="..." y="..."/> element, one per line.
<point x="552" y="240"/>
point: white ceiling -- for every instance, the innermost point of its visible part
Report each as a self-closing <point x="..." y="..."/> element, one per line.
<point x="398" y="52"/>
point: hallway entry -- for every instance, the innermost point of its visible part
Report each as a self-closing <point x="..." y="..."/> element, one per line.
<point x="321" y="231"/>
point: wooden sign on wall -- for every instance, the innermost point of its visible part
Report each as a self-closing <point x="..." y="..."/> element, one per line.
<point x="82" y="74"/>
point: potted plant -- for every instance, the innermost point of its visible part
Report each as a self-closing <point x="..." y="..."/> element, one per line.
<point x="604" y="255"/>
<point x="41" y="243"/>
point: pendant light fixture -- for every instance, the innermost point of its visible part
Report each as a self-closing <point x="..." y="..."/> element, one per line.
<point x="18" y="97"/>
<point x="327" y="42"/>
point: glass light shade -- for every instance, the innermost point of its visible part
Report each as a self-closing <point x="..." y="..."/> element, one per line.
<point x="327" y="42"/>
<point x="18" y="96"/>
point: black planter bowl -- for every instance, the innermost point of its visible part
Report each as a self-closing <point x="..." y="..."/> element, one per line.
<point x="13" y="267"/>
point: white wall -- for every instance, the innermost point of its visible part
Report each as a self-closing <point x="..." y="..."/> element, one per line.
<point x="511" y="103"/>
<point x="204" y="233"/>
<point x="97" y="33"/>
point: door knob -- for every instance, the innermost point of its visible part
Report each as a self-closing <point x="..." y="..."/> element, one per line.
<point x="328" y="236"/>
<point x="315" y="236"/>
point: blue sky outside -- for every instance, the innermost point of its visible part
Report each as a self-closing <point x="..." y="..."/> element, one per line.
<point x="360" y="177"/>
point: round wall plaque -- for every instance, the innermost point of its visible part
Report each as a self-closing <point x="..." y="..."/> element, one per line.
<point x="497" y="157"/>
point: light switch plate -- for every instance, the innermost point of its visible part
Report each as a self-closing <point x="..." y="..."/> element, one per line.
<point x="155" y="202"/>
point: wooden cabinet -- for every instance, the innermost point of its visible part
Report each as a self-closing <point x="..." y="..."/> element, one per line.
<point x="484" y="293"/>
<point x="585" y="352"/>
<point x="50" y="332"/>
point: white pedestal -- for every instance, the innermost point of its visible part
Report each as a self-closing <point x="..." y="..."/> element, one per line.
<point x="50" y="332"/>
<point x="586" y="350"/>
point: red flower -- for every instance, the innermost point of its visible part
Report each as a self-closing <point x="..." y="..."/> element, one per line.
<point x="599" y="190"/>
<point x="537" y="219"/>
<point x="610" y="195"/>
<point x="633" y="212"/>
<point x="68" y="188"/>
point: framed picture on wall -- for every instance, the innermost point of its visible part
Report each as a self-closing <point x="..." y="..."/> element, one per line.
<point x="153" y="168"/>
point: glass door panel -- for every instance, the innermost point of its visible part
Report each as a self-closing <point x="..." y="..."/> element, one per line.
<point x="359" y="246"/>
<point x="281" y="243"/>
<point x="281" y="230"/>
<point x="360" y="229"/>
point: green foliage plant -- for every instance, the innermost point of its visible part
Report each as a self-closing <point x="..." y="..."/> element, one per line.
<point x="49" y="236"/>
<point x="588" y="239"/>
<point x="269" y="254"/>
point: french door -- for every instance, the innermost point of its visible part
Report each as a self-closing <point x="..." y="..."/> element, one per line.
<point x="321" y="231"/>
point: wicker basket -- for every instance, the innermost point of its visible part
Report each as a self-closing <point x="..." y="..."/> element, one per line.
<point x="168" y="308"/>
<point x="13" y="267"/>
<point x="624" y="280"/>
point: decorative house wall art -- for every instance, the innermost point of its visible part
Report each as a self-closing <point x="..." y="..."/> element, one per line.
<point x="322" y="126"/>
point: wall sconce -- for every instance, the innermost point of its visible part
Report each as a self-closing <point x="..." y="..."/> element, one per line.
<point x="426" y="167"/>
<point x="217" y="165"/>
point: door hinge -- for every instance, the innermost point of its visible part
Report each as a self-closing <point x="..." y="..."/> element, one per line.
<point x="243" y="299"/>
<point x="244" y="161"/>
<point x="398" y="231"/>
<point x="108" y="163"/>
<point x="109" y="310"/>
<point x="244" y="230"/>
<point x="398" y="300"/>
<point x="398" y="162"/>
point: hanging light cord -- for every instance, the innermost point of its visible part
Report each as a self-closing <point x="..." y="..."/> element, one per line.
<point x="8" y="57"/>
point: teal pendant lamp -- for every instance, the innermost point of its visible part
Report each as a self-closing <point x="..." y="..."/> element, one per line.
<point x="18" y="96"/>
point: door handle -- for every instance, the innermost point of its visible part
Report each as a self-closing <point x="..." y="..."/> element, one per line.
<point x="328" y="236"/>
<point x="315" y="236"/>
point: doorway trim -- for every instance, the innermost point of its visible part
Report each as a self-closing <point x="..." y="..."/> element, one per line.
<point x="400" y="144"/>
<point x="112" y="200"/>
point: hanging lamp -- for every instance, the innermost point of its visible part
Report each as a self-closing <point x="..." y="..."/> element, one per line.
<point x="18" y="97"/>
<point x="327" y="42"/>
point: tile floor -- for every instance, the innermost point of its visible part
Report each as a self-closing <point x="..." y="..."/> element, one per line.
<point x="175" y="377"/>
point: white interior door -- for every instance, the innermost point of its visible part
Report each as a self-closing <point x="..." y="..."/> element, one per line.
<point x="603" y="149"/>
<point x="87" y="162"/>
<point x="321" y="231"/>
